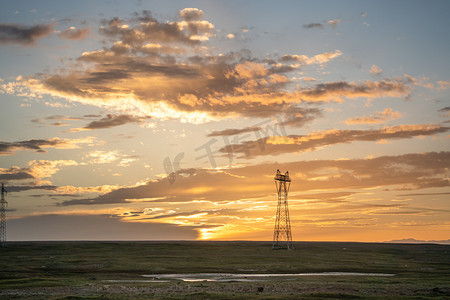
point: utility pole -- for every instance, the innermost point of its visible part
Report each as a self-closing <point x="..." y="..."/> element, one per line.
<point x="282" y="229"/>
<point x="3" y="205"/>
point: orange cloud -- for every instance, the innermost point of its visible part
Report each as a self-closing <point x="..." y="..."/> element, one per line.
<point x="317" y="59"/>
<point x="375" y="70"/>
<point x="325" y="193"/>
<point x="46" y="168"/>
<point x="93" y="227"/>
<point x="7" y="148"/>
<point x="423" y="82"/>
<point x="31" y="177"/>
<point x="276" y="145"/>
<point x="443" y="85"/>
<point x="73" y="33"/>
<point x="412" y="170"/>
<point x="165" y="70"/>
<point x="111" y="120"/>
<point x="101" y="189"/>
<point x="333" y="23"/>
<point x="106" y="157"/>
<point x="191" y="14"/>
<point x="337" y="91"/>
<point x="377" y="118"/>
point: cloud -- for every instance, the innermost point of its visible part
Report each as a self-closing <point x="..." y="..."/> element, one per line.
<point x="412" y="211"/>
<point x="184" y="92"/>
<point x="191" y="14"/>
<point x="163" y="70"/>
<point x="227" y="132"/>
<point x="7" y="148"/>
<point x="328" y="190"/>
<point x="445" y="111"/>
<point x="21" y="188"/>
<point x="328" y="197"/>
<point x="61" y="191"/>
<point x="21" y="34"/>
<point x="408" y="171"/>
<point x="443" y="85"/>
<point x="111" y="120"/>
<point x="377" y="118"/>
<point x="189" y="214"/>
<point x="57" y="117"/>
<point x="423" y="81"/>
<point x="106" y="157"/>
<point x="277" y="145"/>
<point x="92" y="227"/>
<point x="166" y="70"/>
<point x="46" y="168"/>
<point x="14" y="173"/>
<point x="73" y="33"/>
<point x="248" y="89"/>
<point x="375" y="70"/>
<point x="187" y="188"/>
<point x="101" y="189"/>
<point x="313" y="25"/>
<point x="30" y="177"/>
<point x="317" y="59"/>
<point x="333" y="23"/>
<point x="307" y="78"/>
<point x="159" y="50"/>
<point x="336" y="91"/>
<point x="146" y="29"/>
<point x="325" y="222"/>
<point x="59" y="124"/>
<point x="422" y="194"/>
<point x="103" y="157"/>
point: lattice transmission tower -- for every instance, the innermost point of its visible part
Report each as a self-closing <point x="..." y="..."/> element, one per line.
<point x="282" y="232"/>
<point x="3" y="205"/>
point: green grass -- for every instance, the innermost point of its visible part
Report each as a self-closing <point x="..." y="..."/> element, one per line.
<point x="79" y="270"/>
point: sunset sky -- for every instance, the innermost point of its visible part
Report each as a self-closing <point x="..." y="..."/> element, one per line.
<point x="167" y="120"/>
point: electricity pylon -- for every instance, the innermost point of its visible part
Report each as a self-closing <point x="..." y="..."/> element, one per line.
<point x="3" y="205"/>
<point x="282" y="229"/>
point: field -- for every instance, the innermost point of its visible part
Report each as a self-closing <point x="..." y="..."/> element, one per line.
<point x="113" y="270"/>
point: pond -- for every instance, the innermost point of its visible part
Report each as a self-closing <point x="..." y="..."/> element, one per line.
<point x="251" y="277"/>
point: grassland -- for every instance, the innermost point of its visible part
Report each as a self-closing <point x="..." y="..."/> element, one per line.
<point x="112" y="270"/>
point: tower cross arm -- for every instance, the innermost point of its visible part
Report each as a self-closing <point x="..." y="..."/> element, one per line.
<point x="281" y="177"/>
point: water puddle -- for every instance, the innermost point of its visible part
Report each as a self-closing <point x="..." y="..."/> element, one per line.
<point x="252" y="277"/>
<point x="134" y="281"/>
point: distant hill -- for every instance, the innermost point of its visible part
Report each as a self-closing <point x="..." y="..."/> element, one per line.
<point x="414" y="241"/>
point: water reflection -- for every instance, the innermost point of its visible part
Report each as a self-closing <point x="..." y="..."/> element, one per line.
<point x="252" y="277"/>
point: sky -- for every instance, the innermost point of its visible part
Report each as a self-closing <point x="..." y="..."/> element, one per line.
<point x="167" y="120"/>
